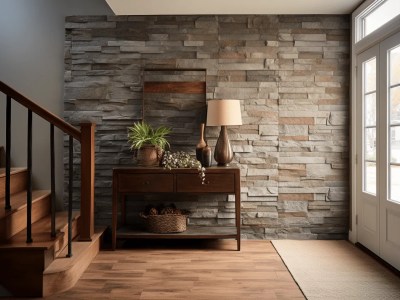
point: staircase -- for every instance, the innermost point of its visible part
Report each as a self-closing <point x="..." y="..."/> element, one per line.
<point x="44" y="252"/>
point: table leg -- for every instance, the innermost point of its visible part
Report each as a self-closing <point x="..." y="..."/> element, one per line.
<point x="114" y="214"/>
<point x="114" y="223"/>
<point x="237" y="208"/>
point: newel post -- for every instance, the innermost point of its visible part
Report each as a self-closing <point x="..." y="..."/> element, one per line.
<point x="87" y="181"/>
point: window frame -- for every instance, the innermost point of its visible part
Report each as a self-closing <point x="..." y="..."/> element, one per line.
<point x="389" y="28"/>
<point x="360" y="19"/>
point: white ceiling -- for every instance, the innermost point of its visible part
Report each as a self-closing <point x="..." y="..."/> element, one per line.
<point x="216" y="7"/>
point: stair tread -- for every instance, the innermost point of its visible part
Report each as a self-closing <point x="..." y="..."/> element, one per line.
<point x="18" y="201"/>
<point x="41" y="232"/>
<point x="12" y="171"/>
<point x="62" y="263"/>
<point x="18" y="181"/>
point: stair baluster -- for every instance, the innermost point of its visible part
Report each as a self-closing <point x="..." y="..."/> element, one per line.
<point x="53" y="182"/>
<point x="8" y="154"/>
<point x="85" y="136"/>
<point x="29" y="219"/>
<point x="70" y="188"/>
<point x="29" y="183"/>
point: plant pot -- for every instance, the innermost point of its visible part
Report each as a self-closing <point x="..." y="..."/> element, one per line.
<point x="149" y="156"/>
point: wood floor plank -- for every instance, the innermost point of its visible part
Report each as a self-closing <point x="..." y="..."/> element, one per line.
<point x="210" y="270"/>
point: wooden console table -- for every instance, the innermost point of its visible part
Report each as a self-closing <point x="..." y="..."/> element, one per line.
<point x="140" y="181"/>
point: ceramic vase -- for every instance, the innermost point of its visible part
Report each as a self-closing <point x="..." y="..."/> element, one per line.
<point x="201" y="144"/>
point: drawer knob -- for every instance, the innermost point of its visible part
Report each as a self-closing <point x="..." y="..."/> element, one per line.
<point x="147" y="182"/>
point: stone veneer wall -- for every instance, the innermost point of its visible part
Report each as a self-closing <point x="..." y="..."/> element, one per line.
<point x="292" y="75"/>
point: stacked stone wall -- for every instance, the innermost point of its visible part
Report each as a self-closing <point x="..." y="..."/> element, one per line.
<point x="291" y="74"/>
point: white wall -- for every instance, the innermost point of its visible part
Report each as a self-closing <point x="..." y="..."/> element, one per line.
<point x="232" y="7"/>
<point x="32" y="62"/>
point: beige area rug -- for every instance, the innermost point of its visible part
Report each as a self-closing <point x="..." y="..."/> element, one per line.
<point x="336" y="270"/>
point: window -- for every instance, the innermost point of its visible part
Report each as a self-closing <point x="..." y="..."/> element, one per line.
<point x="376" y="15"/>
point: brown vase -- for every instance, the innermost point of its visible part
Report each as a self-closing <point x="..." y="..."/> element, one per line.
<point x="206" y="158"/>
<point x="201" y="144"/>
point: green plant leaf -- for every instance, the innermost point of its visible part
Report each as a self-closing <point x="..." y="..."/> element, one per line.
<point x="141" y="134"/>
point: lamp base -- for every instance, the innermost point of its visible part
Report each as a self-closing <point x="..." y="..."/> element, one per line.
<point x="223" y="153"/>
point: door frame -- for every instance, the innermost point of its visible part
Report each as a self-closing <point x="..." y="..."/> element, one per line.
<point x="366" y="236"/>
<point x="390" y="28"/>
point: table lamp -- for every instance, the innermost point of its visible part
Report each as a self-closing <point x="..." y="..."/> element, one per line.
<point x="223" y="113"/>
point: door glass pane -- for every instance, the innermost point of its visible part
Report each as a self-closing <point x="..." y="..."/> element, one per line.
<point x="370" y="109"/>
<point x="394" y="66"/>
<point x="395" y="145"/>
<point x="395" y="183"/>
<point x="370" y="76"/>
<point x="395" y="104"/>
<point x="369" y="124"/>
<point x="370" y="177"/>
<point x="370" y="144"/>
<point x="394" y="131"/>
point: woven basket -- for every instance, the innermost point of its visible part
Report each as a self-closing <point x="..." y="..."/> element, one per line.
<point x="170" y="223"/>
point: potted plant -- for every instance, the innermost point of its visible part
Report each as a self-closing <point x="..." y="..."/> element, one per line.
<point x="148" y="142"/>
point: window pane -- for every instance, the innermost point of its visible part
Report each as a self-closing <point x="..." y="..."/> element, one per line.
<point x="370" y="144"/>
<point x="380" y="16"/>
<point x="394" y="183"/>
<point x="370" y="76"/>
<point x="370" y="109"/>
<point x="370" y="177"/>
<point x="369" y="115"/>
<point x="395" y="145"/>
<point x="395" y="105"/>
<point x="394" y="66"/>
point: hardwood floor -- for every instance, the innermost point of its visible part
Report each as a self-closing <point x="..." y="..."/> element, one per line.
<point x="187" y="270"/>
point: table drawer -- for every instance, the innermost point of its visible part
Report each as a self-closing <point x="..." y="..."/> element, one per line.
<point x="139" y="183"/>
<point x="214" y="183"/>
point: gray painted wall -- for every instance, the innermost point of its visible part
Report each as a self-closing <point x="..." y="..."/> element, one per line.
<point x="32" y="62"/>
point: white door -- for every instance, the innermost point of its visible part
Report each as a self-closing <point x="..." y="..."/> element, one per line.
<point x="378" y="133"/>
<point x="367" y="151"/>
<point x="390" y="154"/>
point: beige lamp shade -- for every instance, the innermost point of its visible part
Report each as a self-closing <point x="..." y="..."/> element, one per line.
<point x="223" y="112"/>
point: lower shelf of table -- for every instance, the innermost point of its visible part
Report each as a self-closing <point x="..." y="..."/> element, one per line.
<point x="192" y="232"/>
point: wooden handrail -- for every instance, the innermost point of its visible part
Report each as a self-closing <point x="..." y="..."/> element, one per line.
<point x="86" y="138"/>
<point x="45" y="114"/>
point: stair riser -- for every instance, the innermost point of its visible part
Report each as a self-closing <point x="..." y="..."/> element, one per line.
<point x="18" y="183"/>
<point x="62" y="280"/>
<point x="22" y="270"/>
<point x="16" y="222"/>
<point x="24" y="275"/>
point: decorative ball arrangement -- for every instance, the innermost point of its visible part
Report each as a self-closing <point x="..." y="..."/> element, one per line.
<point x="167" y="211"/>
<point x="151" y="210"/>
